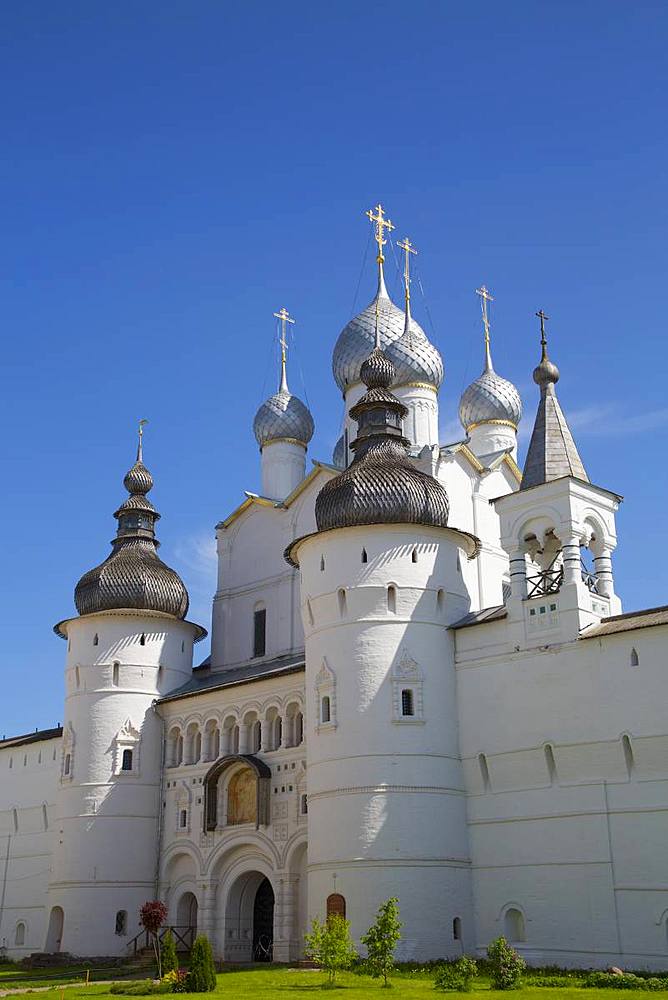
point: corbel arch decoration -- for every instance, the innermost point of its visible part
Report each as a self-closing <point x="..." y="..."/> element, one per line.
<point x="262" y="788"/>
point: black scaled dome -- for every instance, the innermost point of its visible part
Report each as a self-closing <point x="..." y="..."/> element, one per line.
<point x="133" y="575"/>
<point x="381" y="485"/>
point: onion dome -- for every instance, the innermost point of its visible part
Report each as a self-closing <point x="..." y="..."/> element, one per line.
<point x="133" y="576"/>
<point x="490" y="399"/>
<point x="381" y="485"/>
<point x="283" y="417"/>
<point x="339" y="453"/>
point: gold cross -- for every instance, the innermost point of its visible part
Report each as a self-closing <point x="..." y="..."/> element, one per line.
<point x="408" y="249"/>
<point x="542" y="317"/>
<point x="284" y="317"/>
<point x="380" y="223"/>
<point x="485" y="297"/>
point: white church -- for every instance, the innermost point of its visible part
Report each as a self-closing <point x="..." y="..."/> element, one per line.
<point x="421" y="684"/>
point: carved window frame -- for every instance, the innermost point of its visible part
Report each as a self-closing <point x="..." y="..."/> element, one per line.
<point x="407" y="676"/>
<point x="127" y="738"/>
<point x="325" y="686"/>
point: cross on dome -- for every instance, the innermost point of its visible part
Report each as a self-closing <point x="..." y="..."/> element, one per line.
<point x="284" y="316"/>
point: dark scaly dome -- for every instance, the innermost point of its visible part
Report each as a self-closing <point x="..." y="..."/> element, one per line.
<point x="133" y="576"/>
<point x="381" y="485"/>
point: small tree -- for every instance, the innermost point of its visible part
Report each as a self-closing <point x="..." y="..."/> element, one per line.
<point x="330" y="945"/>
<point x="506" y="965"/>
<point x="381" y="940"/>
<point x="202" y="973"/>
<point x="170" y="962"/>
<point x="152" y="916"/>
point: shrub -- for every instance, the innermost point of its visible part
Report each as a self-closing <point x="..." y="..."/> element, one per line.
<point x="505" y="965"/>
<point x="177" y="980"/>
<point x="330" y="945"/>
<point x="143" y="988"/>
<point x="457" y="975"/>
<point x="625" y="981"/>
<point x="552" y="982"/>
<point x="381" y="940"/>
<point x="202" y="973"/>
<point x="152" y="916"/>
<point x="170" y="962"/>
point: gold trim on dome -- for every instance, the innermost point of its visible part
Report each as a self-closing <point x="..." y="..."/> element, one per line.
<point x="285" y="440"/>
<point x="416" y="385"/>
<point x="482" y="423"/>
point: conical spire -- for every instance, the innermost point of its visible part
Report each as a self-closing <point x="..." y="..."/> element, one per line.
<point x="133" y="575"/>
<point x="552" y="451"/>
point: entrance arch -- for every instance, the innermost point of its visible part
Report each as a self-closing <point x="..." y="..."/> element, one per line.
<point x="186" y="918"/>
<point x="54" y="936"/>
<point x="249" y="919"/>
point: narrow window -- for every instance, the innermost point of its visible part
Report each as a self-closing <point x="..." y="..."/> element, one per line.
<point x="142" y="640"/>
<point x="115" y="672"/>
<point x="407" y="702"/>
<point x="183" y="819"/>
<point x="68" y="763"/>
<point x="95" y="639"/>
<point x="25" y="759"/>
<point x="336" y="905"/>
<point x="299" y="729"/>
<point x="551" y="764"/>
<point x="634" y="658"/>
<point x="11" y="763"/>
<point x="303" y="808"/>
<point x="183" y="646"/>
<point x="15" y="817"/>
<point x="365" y="558"/>
<point x="325" y="709"/>
<point x="342" y="602"/>
<point x="414" y="556"/>
<point x="310" y="611"/>
<point x="126" y="764"/>
<point x="257" y="736"/>
<point x="235" y="739"/>
<point x="392" y="600"/>
<point x="77" y="676"/>
<point x="514" y="925"/>
<point x="322" y="564"/>
<point x="121" y="922"/>
<point x="628" y="755"/>
<point x="484" y="771"/>
<point x="459" y="563"/>
<point x="457" y="929"/>
<point x="39" y="757"/>
<point x="45" y="817"/>
<point x="440" y="600"/>
<point x="20" y="936"/>
<point x="259" y="632"/>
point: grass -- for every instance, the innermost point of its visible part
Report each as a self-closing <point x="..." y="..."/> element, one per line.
<point x="16" y="976"/>
<point x="287" y="983"/>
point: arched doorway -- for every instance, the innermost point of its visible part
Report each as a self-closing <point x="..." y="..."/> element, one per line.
<point x="186" y="921"/>
<point x="54" y="936"/>
<point x="249" y="919"/>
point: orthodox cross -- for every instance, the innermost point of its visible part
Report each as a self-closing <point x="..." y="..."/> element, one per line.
<point x="408" y="249"/>
<point x="284" y="316"/>
<point x="139" y="443"/>
<point x="485" y="297"/>
<point x="380" y="224"/>
<point x="542" y="317"/>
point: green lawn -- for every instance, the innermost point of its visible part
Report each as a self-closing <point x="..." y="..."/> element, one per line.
<point x="272" y="983"/>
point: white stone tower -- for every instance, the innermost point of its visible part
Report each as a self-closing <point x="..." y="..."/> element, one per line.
<point x="417" y="363"/>
<point x="129" y="646"/>
<point x="490" y="408"/>
<point x="380" y="581"/>
<point x="283" y="427"/>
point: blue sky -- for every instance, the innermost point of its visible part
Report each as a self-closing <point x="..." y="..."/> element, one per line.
<point x="174" y="172"/>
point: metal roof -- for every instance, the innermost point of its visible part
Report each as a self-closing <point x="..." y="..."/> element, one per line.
<point x="37" y="737"/>
<point x="213" y="680"/>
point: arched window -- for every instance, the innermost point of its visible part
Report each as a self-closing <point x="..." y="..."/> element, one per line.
<point x="628" y="755"/>
<point x="551" y="764"/>
<point x="457" y="929"/>
<point x="256" y="742"/>
<point x="484" y="771"/>
<point x="392" y="599"/>
<point x="342" y="602"/>
<point x="322" y="564"/>
<point x="407" y="702"/>
<point x="278" y="733"/>
<point x="336" y="905"/>
<point x="126" y="763"/>
<point x="235" y="739"/>
<point x="440" y="600"/>
<point x="634" y="658"/>
<point x="303" y="804"/>
<point x="513" y="925"/>
<point x="45" y="817"/>
<point x="414" y="556"/>
<point x="15" y="818"/>
<point x="259" y="631"/>
<point x="183" y="819"/>
<point x="20" y="935"/>
<point x="325" y="709"/>
<point x="115" y="671"/>
<point x="95" y="639"/>
<point x="365" y="558"/>
<point x="142" y="639"/>
<point x="68" y="764"/>
<point x="299" y="729"/>
<point x="77" y="676"/>
<point x="121" y="922"/>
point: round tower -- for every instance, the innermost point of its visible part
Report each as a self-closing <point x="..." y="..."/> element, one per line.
<point x="381" y="580"/>
<point x="129" y="646"/>
<point x="418" y="364"/>
<point x="283" y="427"/>
<point x="490" y="408"/>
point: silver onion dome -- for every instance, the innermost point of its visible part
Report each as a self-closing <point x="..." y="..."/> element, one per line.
<point x="133" y="576"/>
<point x="283" y="416"/>
<point x="339" y="453"/>
<point x="490" y="399"/>
<point x="414" y="357"/>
